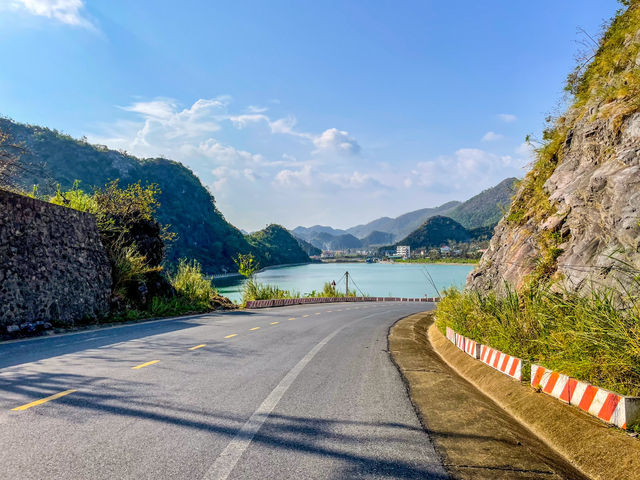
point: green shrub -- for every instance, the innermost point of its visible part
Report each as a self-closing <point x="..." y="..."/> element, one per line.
<point x="254" y="290"/>
<point x="192" y="286"/>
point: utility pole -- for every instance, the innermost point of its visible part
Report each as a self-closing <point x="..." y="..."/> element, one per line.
<point x="346" y="276"/>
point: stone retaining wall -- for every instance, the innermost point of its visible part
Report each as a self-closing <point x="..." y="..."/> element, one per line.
<point x="53" y="267"/>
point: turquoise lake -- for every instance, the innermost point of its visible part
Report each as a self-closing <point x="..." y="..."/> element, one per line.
<point x="374" y="279"/>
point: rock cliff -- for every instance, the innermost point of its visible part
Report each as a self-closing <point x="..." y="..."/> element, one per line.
<point x="575" y="217"/>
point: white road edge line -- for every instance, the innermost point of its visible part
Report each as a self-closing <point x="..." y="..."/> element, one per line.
<point x="227" y="460"/>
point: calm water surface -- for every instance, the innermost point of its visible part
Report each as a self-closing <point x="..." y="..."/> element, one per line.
<point x="374" y="279"/>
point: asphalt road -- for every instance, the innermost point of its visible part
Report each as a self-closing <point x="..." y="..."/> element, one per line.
<point x="296" y="392"/>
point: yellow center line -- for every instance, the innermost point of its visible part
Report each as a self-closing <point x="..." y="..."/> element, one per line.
<point x="305" y="316"/>
<point x="339" y="310"/>
<point x="317" y="313"/>
<point x="254" y="328"/>
<point x="43" y="400"/>
<point x="329" y="311"/>
<point x="198" y="346"/>
<point x="144" y="364"/>
<point x="232" y="335"/>
<point x="274" y="323"/>
<point x="292" y="318"/>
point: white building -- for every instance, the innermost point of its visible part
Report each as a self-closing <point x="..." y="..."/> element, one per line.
<point x="403" y="250"/>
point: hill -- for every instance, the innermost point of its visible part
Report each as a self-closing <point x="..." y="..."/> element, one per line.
<point x="274" y="245"/>
<point x="52" y="158"/>
<point x="326" y="241"/>
<point x="377" y="238"/>
<point x="308" y="248"/>
<point x="486" y="208"/>
<point x="307" y="233"/>
<point x="436" y="231"/>
<point x="401" y="226"/>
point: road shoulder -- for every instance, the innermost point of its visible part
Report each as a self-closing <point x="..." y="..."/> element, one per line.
<point x="475" y="437"/>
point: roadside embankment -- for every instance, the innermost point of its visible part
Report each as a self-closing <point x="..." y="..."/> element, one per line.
<point x="455" y="396"/>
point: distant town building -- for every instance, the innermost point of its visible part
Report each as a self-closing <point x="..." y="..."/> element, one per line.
<point x="403" y="250"/>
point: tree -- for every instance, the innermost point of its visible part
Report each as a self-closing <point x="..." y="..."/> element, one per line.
<point x="246" y="264"/>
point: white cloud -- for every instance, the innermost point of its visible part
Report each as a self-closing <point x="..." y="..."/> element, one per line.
<point x="294" y="177"/>
<point x="256" y="109"/>
<point x="70" y="12"/>
<point x="507" y="117"/>
<point x="334" y="140"/>
<point x="226" y="154"/>
<point x="492" y="137"/>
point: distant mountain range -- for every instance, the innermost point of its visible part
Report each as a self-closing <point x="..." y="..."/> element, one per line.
<point x="481" y="211"/>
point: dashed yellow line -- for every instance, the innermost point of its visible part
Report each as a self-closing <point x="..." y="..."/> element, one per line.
<point x="275" y="323"/>
<point x="43" y="400"/>
<point x="198" y="346"/>
<point x="254" y="328"/>
<point x="292" y="318"/>
<point x="339" y="310"/>
<point x="232" y="335"/>
<point x="305" y="316"/>
<point x="329" y="311"/>
<point x="142" y="365"/>
<point x="317" y="313"/>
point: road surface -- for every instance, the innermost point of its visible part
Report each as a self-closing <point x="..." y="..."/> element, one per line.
<point x="296" y="392"/>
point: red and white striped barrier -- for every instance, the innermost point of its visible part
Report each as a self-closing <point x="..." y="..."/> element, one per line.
<point x="471" y="347"/>
<point x="451" y="335"/>
<point x="460" y="342"/>
<point x="502" y="362"/>
<point x="607" y="406"/>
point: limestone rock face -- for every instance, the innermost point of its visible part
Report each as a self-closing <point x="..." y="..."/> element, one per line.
<point x="590" y="207"/>
<point x="595" y="191"/>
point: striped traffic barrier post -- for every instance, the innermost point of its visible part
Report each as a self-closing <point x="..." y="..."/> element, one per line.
<point x="502" y="362"/>
<point x="451" y="335"/>
<point x="472" y="348"/>
<point x="460" y="342"/>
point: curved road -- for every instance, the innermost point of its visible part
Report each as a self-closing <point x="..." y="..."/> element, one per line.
<point x="296" y="392"/>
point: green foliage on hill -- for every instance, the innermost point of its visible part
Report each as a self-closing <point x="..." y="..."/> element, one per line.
<point x="436" y="231"/>
<point x="274" y="245"/>
<point x="486" y="208"/>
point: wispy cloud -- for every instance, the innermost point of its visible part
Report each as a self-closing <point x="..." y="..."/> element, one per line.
<point x="507" y="117"/>
<point x="492" y="137"/>
<point x="70" y="12"/>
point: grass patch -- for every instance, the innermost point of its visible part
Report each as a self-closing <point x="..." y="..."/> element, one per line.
<point x="593" y="337"/>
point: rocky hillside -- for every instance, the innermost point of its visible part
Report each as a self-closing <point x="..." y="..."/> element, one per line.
<point x="575" y="216"/>
<point x="52" y="159"/>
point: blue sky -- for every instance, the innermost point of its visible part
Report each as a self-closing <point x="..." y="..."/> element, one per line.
<point x="305" y="112"/>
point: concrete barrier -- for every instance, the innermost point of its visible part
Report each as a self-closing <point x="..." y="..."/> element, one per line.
<point x="610" y="407"/>
<point x="472" y="348"/>
<point x="309" y="300"/>
<point x="451" y="335"/>
<point x="502" y="362"/>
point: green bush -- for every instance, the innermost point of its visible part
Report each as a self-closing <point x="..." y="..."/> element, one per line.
<point x="193" y="286"/>
<point x="254" y="290"/>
